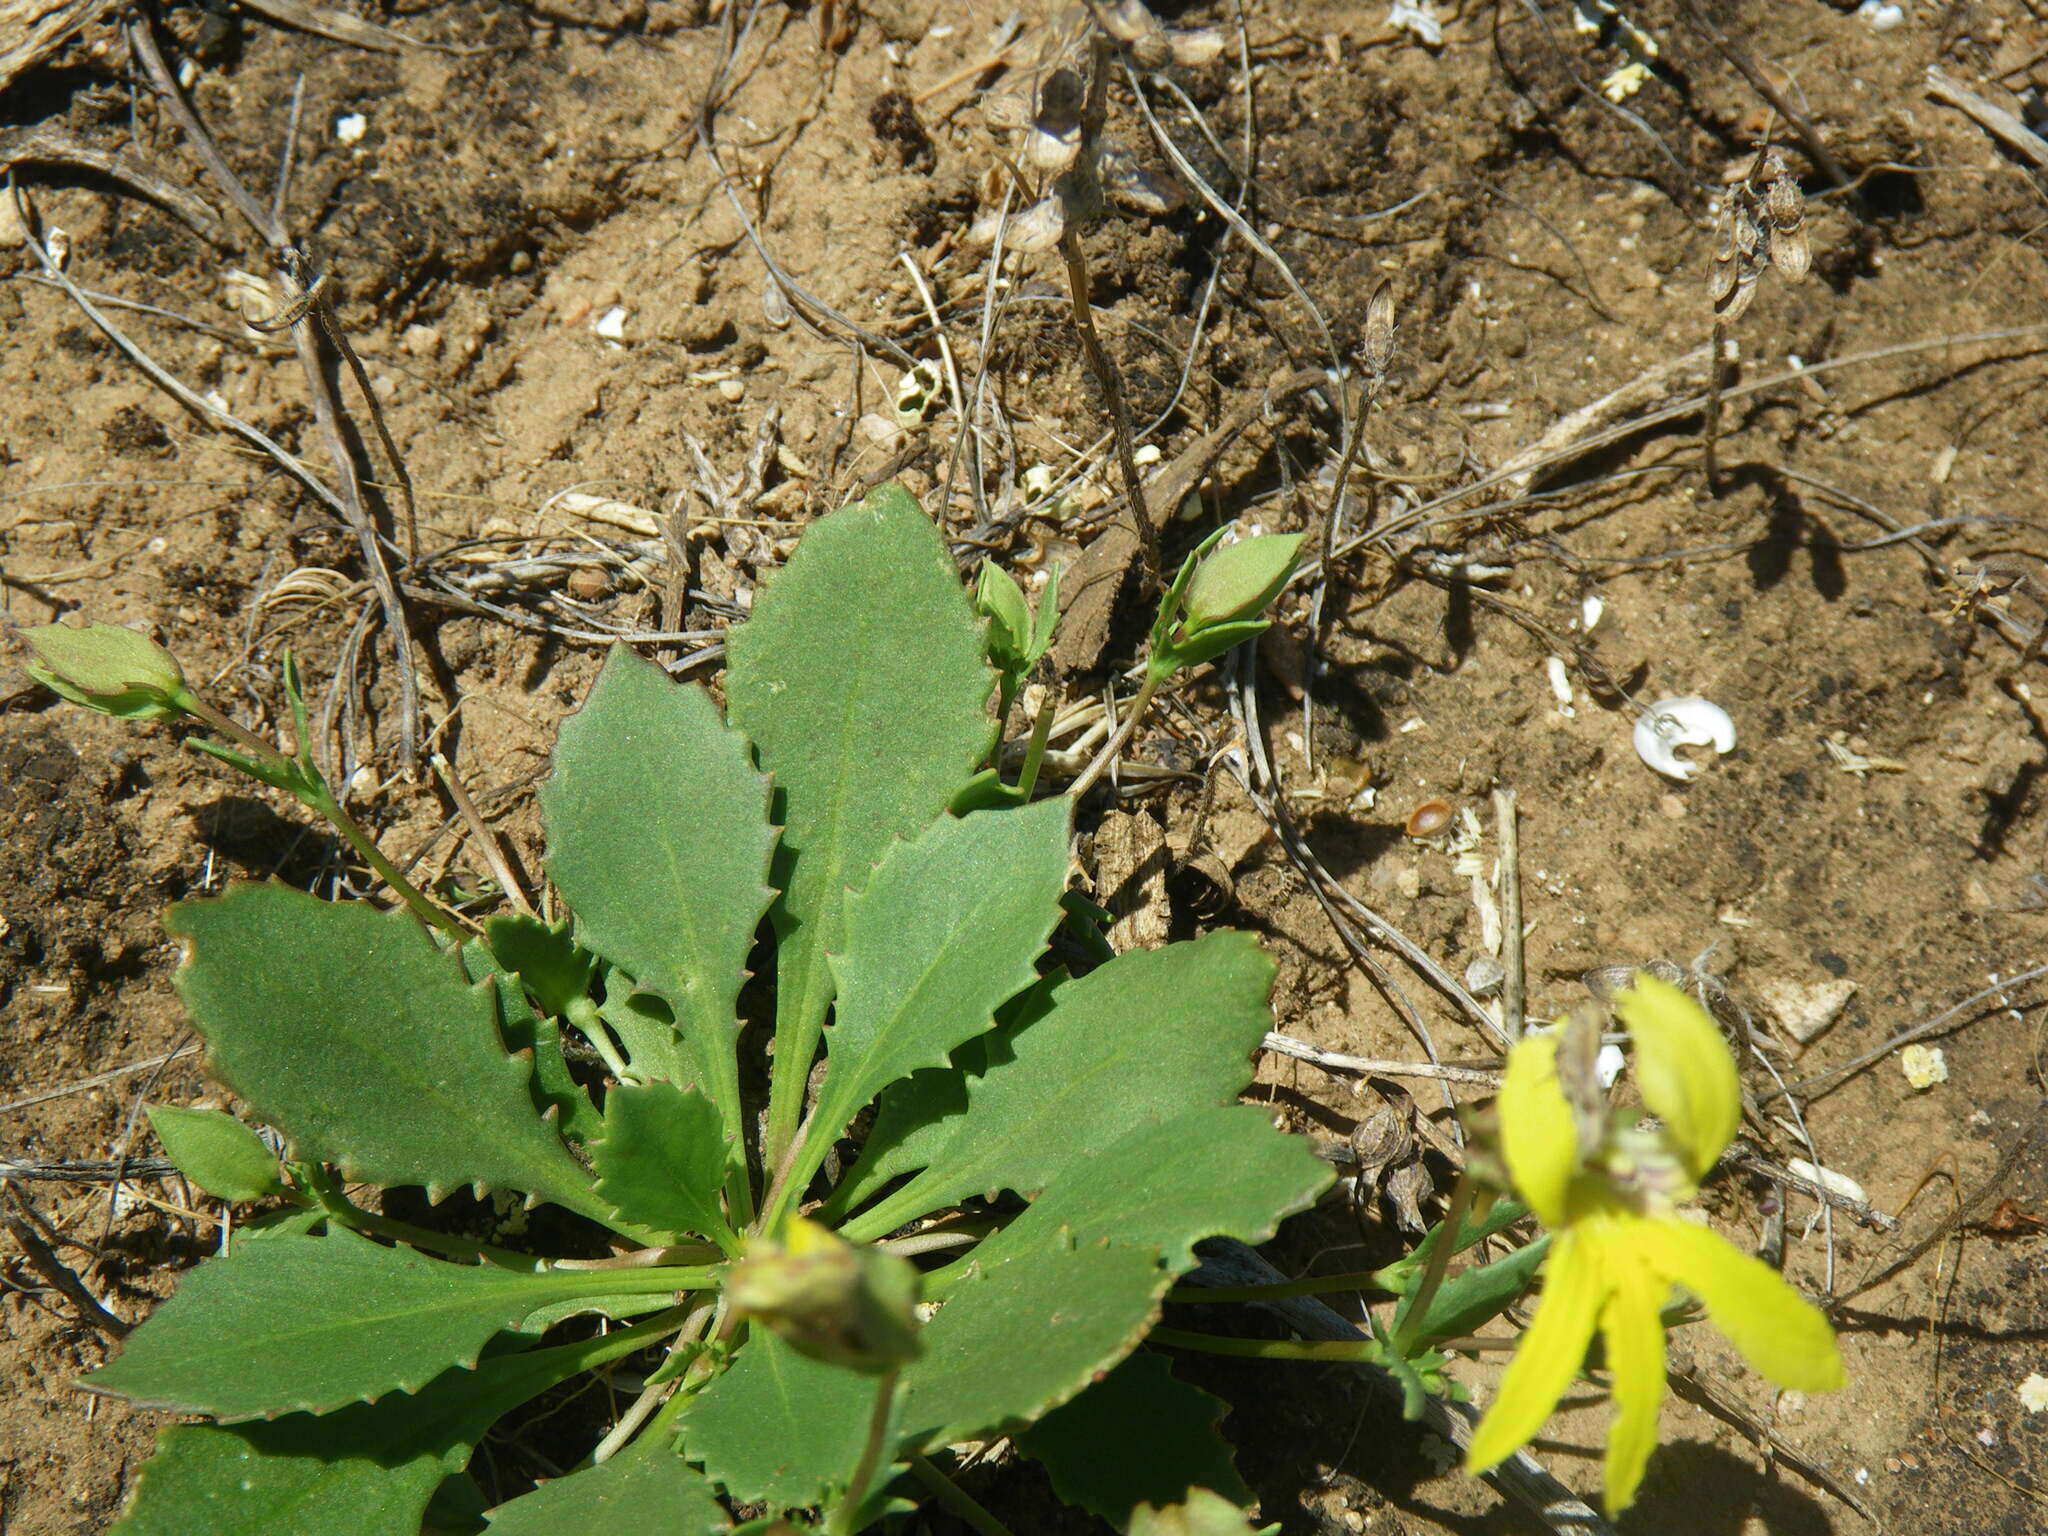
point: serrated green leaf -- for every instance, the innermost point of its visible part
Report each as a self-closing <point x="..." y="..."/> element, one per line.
<point x="1133" y="1042"/>
<point x="554" y="967"/>
<point x="216" y="1151"/>
<point x="1023" y="1332"/>
<point x="369" y="1468"/>
<point x="661" y="1160"/>
<point x="778" y="1428"/>
<point x="649" y="1490"/>
<point x="910" y="1119"/>
<point x="1205" y="1513"/>
<point x="862" y="682"/>
<point x="1180" y="1449"/>
<point x="658" y="838"/>
<point x="349" y="1031"/>
<point x="946" y="931"/>
<point x="309" y="1324"/>
<point x="524" y="1030"/>
<point x="1221" y="1170"/>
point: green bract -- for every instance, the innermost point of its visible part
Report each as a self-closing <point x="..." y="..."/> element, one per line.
<point x="1237" y="581"/>
<point x="613" y="1068"/>
<point x="107" y="668"/>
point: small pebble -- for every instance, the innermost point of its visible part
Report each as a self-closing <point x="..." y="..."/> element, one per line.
<point x="421" y="341"/>
<point x="351" y="128"/>
<point x="734" y="390"/>
<point x="1924" y="1065"/>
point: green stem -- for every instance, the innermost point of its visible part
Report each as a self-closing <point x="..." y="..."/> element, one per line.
<point x="1415" y="1309"/>
<point x="954" y="1499"/>
<point x="1361" y="1352"/>
<point x="319" y="799"/>
<point x="1311" y="1285"/>
<point x="1034" y="751"/>
<point x="340" y="1208"/>
<point x="1154" y="676"/>
<point x="847" y="1510"/>
<point x="582" y="1013"/>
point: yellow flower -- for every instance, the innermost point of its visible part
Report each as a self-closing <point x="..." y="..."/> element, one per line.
<point x="1620" y="1246"/>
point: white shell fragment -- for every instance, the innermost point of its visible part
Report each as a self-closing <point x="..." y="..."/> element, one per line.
<point x="351" y="128"/>
<point x="1419" y="18"/>
<point x="1834" y="1183"/>
<point x="1673" y="723"/>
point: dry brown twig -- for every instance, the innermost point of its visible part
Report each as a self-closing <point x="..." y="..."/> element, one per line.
<point x="303" y="299"/>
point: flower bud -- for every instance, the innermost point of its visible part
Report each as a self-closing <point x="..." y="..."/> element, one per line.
<point x="1239" y="580"/>
<point x="998" y="597"/>
<point x="116" y="671"/>
<point x="835" y="1301"/>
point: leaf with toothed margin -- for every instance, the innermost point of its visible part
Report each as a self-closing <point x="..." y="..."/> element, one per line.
<point x="1220" y="1170"/>
<point x="659" y="840"/>
<point x="523" y="1029"/>
<point x="350" y="1031"/>
<point x="661" y="1160"/>
<point x="647" y="1489"/>
<point x="1023" y="1330"/>
<point x="945" y="932"/>
<point x="862" y="680"/>
<point x="372" y="1467"/>
<point x="1134" y="1042"/>
<point x="311" y="1324"/>
<point x="779" y="1428"/>
<point x="1180" y="1450"/>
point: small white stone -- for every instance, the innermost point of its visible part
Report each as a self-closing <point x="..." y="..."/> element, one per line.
<point x="2034" y="1392"/>
<point x="1924" y="1065"/>
<point x="1805" y="1009"/>
<point x="611" y="325"/>
<point x="1590" y="611"/>
<point x="1560" y="685"/>
<point x="351" y="128"/>
<point x="1608" y="1064"/>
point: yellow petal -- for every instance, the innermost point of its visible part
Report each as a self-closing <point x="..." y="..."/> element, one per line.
<point x="1549" y="1354"/>
<point x="1537" y="1136"/>
<point x="1684" y="1068"/>
<point x="1779" y="1332"/>
<point x="1635" y="1357"/>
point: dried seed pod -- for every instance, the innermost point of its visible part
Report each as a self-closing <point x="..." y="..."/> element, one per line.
<point x="1784" y="201"/>
<point x="1195" y="48"/>
<point x="1432" y="818"/>
<point x="1055" y="138"/>
<point x="1130" y="183"/>
<point x="1039" y="227"/>
<point x="1790" y="253"/>
<point x="1132" y="24"/>
<point x="1006" y="111"/>
<point x="1379" y="328"/>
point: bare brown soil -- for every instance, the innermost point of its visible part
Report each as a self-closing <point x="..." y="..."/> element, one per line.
<point x="1544" y="249"/>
